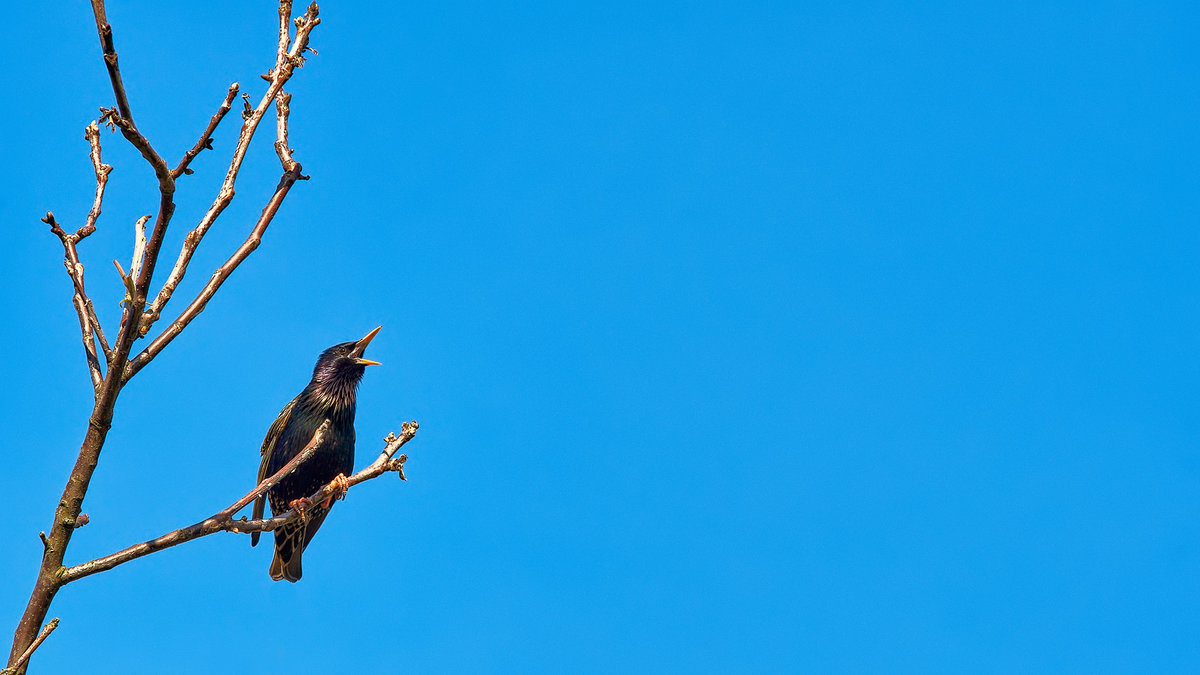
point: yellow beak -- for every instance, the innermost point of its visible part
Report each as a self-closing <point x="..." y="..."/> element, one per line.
<point x="361" y="346"/>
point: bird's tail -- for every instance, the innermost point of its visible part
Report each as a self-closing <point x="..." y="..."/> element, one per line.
<point x="289" y="549"/>
<point x="290" y="542"/>
<point x="289" y="570"/>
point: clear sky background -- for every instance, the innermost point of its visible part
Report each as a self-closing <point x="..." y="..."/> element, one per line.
<point x="760" y="337"/>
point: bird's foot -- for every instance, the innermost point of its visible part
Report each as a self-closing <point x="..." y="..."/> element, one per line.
<point x="343" y="486"/>
<point x="301" y="506"/>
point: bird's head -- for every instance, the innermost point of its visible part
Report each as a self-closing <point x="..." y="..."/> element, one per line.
<point x="344" y="363"/>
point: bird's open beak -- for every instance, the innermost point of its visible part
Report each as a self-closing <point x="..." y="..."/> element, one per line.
<point x="361" y="346"/>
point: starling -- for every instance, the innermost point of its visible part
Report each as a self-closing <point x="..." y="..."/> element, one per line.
<point x="330" y="395"/>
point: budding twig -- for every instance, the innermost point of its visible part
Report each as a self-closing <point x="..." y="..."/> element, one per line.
<point x="205" y="142"/>
<point x="83" y="305"/>
<point x="46" y="631"/>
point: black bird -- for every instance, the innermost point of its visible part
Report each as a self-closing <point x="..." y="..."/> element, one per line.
<point x="330" y="395"/>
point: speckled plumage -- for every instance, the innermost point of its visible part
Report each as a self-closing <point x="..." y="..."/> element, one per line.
<point x="331" y="394"/>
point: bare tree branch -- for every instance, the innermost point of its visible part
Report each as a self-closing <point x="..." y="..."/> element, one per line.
<point x="284" y="99"/>
<point x="205" y="142"/>
<point x="283" y="108"/>
<point x="285" y="31"/>
<point x="110" y="59"/>
<point x="92" y="134"/>
<point x="286" y="62"/>
<point x="79" y="299"/>
<point x="139" y="246"/>
<point x="223" y="519"/>
<point x="46" y="631"/>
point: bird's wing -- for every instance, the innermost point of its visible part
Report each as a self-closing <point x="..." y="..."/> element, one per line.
<point x="268" y="449"/>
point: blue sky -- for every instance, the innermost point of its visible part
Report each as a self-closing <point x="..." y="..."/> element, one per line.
<point x="780" y="337"/>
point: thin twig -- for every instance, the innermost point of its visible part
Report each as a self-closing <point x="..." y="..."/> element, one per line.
<point x="46" y="631"/>
<point x="283" y="108"/>
<point x="110" y="59"/>
<point x="139" y="246"/>
<point x="87" y="334"/>
<point x="205" y="142"/>
<point x="284" y="99"/>
<point x="223" y="519"/>
<point x="92" y="134"/>
<point x="286" y="62"/>
<point x="79" y="299"/>
<point x="285" y="30"/>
